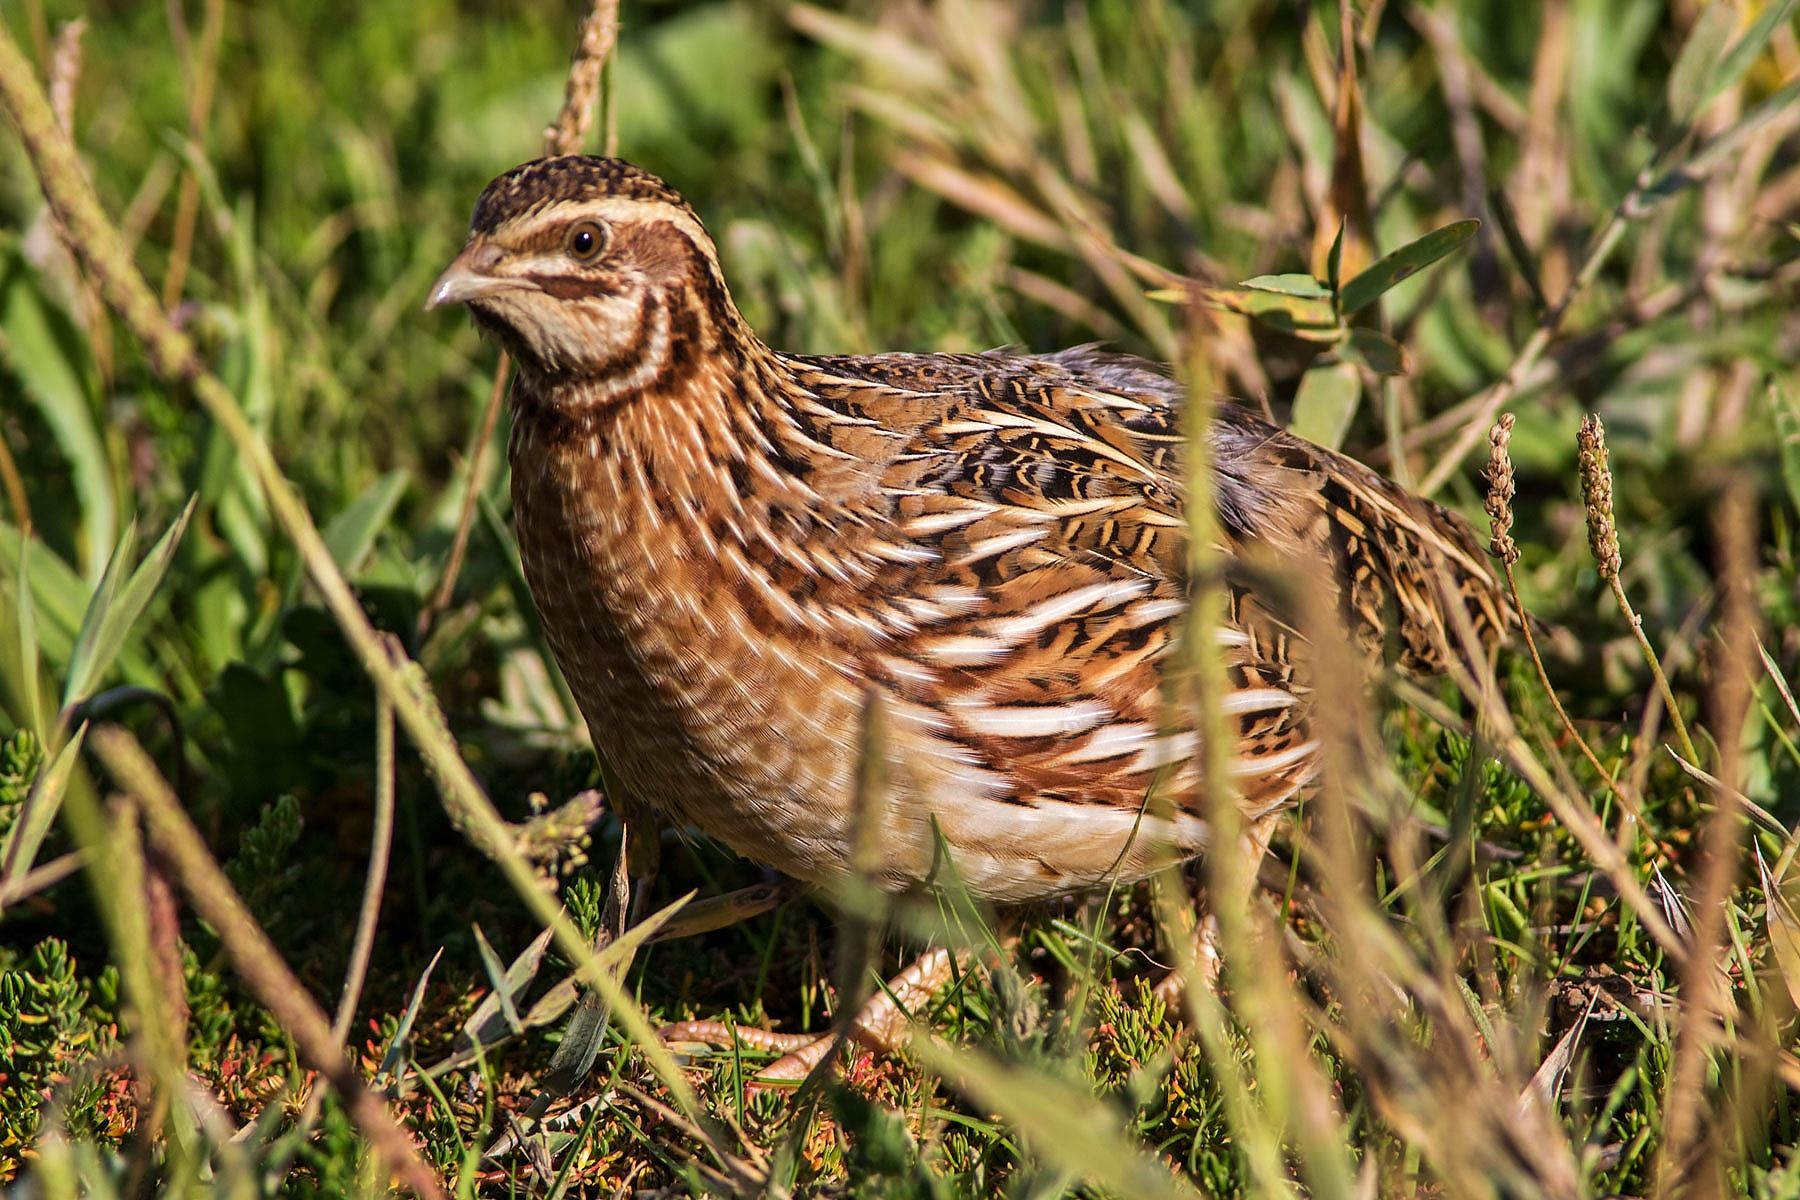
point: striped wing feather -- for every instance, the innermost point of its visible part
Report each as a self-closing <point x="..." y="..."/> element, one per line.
<point x="1049" y="492"/>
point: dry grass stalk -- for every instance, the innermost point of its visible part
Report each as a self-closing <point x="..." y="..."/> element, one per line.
<point x="362" y="943"/>
<point x="599" y="33"/>
<point x="1502" y="488"/>
<point x="258" y="962"/>
<point x="1694" y="1147"/>
<point x="1603" y="543"/>
<point x="202" y="64"/>
<point x="65" y="72"/>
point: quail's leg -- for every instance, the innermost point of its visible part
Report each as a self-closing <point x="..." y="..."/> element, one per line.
<point x="880" y="1025"/>
<point x="1207" y="959"/>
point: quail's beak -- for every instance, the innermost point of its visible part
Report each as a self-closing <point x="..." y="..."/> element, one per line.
<point x="470" y="276"/>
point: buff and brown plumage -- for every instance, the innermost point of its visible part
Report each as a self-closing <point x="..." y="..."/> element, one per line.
<point x="732" y="549"/>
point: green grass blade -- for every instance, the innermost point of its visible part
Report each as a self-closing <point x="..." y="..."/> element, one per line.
<point x="54" y="383"/>
<point x="114" y="613"/>
<point x="1063" y="1124"/>
<point x="574" y="1057"/>
<point x="30" y="700"/>
<point x="59" y="596"/>
<point x="396" y="1049"/>
<point x="351" y="534"/>
<point x="87" y="639"/>
<point x="1786" y="410"/>
<point x="39" y="811"/>
<point x="1695" y="78"/>
<point x="1293" y="284"/>
<point x="1747" y="49"/>
<point x="497" y="977"/>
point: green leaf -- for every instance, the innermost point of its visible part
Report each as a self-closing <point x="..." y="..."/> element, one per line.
<point x="1334" y="261"/>
<point x="1714" y="152"/>
<point x="39" y="810"/>
<point x="1376" y="351"/>
<point x="498" y="977"/>
<point x="53" y="381"/>
<point x="482" y="1028"/>
<point x="1404" y="263"/>
<point x="582" y="1036"/>
<point x="1298" y="316"/>
<point x="59" y="597"/>
<point x="1747" y="49"/>
<point x="1295" y="284"/>
<point x="87" y="639"/>
<point x="397" y="1047"/>
<point x="1325" y="404"/>
<point x="114" y="610"/>
<point x="1787" y="437"/>
<point x="350" y="535"/>
<point x="1783" y="928"/>
<point x="1501" y="206"/>
<point x="28" y="648"/>
<point x="1697" y="66"/>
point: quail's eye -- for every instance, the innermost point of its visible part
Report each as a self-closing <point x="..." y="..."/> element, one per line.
<point x="586" y="240"/>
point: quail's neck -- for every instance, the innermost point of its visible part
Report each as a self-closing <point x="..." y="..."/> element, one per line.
<point x="709" y="424"/>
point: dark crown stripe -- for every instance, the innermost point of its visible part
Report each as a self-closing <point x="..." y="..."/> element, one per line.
<point x="575" y="176"/>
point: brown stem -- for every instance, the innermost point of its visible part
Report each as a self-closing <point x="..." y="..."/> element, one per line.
<point x="599" y="32"/>
<point x="276" y="986"/>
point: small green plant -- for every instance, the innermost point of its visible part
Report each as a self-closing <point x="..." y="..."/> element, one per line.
<point x="58" y="1054"/>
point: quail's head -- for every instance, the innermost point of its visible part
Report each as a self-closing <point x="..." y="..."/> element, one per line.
<point x="589" y="270"/>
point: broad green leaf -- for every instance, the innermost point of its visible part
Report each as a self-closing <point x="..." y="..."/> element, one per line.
<point x="115" y="608"/>
<point x="1697" y="66"/>
<point x="1325" y="403"/>
<point x="39" y="810"/>
<point x="1404" y="263"/>
<point x="351" y="534"/>
<point x="1295" y="284"/>
<point x="54" y="384"/>
<point x="1376" y="351"/>
<point x="1787" y="436"/>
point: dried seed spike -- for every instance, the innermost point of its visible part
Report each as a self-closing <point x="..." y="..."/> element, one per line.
<point x="1501" y="490"/>
<point x="65" y="72"/>
<point x="1597" y="493"/>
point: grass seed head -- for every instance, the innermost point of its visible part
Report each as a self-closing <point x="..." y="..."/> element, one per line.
<point x="1597" y="493"/>
<point x="1501" y="490"/>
